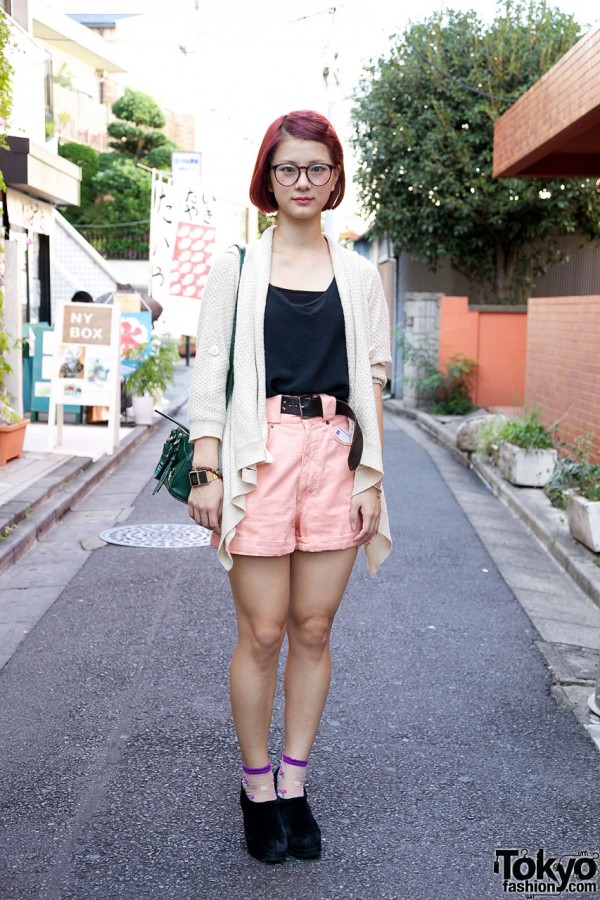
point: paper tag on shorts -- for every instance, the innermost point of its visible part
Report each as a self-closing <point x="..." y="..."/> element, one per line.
<point x="342" y="435"/>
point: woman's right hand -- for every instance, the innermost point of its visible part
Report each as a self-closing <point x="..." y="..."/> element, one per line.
<point x="205" y="505"/>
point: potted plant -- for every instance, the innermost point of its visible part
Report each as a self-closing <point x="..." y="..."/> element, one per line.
<point x="12" y="432"/>
<point x="12" y="425"/>
<point x="583" y="510"/>
<point x="575" y="487"/>
<point x="153" y="376"/>
<point x="527" y="456"/>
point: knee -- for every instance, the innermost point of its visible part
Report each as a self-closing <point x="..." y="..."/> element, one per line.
<point x="264" y="643"/>
<point x="311" y="634"/>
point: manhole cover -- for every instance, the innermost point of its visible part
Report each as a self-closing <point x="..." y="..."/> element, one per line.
<point x="167" y="535"/>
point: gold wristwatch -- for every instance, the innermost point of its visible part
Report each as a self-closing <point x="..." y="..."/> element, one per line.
<point x="201" y="476"/>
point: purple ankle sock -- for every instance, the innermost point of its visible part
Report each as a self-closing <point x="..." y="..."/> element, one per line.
<point x="258" y="783"/>
<point x="291" y="777"/>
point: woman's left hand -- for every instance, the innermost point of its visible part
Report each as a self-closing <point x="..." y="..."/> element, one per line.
<point x="365" y="513"/>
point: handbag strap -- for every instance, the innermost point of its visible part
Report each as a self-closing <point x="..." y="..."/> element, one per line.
<point x="229" y="384"/>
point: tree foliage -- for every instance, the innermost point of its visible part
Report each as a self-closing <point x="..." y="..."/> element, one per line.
<point x="135" y="129"/>
<point x="115" y="191"/>
<point x="6" y="72"/>
<point x="88" y="161"/>
<point x="423" y="128"/>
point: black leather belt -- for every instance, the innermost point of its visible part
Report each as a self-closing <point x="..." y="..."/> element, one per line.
<point x="311" y="407"/>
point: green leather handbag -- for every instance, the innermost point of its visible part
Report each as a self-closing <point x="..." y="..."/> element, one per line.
<point x="173" y="467"/>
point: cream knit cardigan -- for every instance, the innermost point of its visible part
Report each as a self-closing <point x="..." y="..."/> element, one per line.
<point x="242" y="427"/>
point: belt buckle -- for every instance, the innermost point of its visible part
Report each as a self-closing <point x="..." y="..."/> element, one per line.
<point x="308" y="398"/>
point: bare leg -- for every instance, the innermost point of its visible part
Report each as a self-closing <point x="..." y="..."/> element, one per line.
<point x="261" y="592"/>
<point x="318" y="582"/>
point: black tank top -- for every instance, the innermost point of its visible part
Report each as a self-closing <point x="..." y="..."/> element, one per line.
<point x="305" y="343"/>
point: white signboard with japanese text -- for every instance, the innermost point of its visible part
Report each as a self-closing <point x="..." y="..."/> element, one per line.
<point x="29" y="212"/>
<point x="182" y="239"/>
<point x="85" y="365"/>
<point x="186" y="166"/>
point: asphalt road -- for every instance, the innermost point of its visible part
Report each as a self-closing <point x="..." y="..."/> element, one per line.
<point x="440" y="744"/>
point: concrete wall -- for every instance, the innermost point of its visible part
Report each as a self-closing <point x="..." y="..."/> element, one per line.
<point x="421" y="324"/>
<point x="563" y="365"/>
<point x="27" y="118"/>
<point x="496" y="338"/>
<point x="135" y="272"/>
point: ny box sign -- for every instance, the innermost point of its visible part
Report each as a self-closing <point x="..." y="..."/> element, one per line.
<point x="85" y="368"/>
<point x="86" y="324"/>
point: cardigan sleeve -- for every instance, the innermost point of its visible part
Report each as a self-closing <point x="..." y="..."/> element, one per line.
<point x="379" y="326"/>
<point x="207" y="389"/>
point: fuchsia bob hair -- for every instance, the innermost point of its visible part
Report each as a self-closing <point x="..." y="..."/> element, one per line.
<point x="309" y="126"/>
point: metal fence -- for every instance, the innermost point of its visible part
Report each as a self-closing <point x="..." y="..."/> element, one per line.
<point x="118" y="241"/>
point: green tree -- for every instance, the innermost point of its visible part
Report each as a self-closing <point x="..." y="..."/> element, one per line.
<point x="115" y="191"/>
<point x="88" y="161"/>
<point x="6" y="72"/>
<point x="136" y="128"/>
<point x="423" y="128"/>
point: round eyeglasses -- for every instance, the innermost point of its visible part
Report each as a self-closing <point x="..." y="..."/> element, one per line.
<point x="318" y="174"/>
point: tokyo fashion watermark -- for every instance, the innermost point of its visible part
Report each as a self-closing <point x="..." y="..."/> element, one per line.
<point x="537" y="874"/>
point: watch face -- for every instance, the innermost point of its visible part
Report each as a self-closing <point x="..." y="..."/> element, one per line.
<point x="198" y="478"/>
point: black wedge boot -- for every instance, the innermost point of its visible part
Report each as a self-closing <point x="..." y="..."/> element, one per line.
<point x="265" y="834"/>
<point x="303" y="833"/>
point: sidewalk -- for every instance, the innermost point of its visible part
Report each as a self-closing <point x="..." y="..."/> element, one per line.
<point x="37" y="490"/>
<point x="531" y="505"/>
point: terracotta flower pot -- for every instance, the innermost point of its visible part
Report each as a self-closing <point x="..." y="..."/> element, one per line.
<point x="12" y="438"/>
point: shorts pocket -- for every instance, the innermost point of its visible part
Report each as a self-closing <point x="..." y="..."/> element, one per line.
<point x="339" y="429"/>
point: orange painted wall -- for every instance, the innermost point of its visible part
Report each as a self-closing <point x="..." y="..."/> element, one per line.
<point x="563" y="365"/>
<point x="496" y="339"/>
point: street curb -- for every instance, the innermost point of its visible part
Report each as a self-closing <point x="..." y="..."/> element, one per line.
<point x="544" y="521"/>
<point x="37" y="509"/>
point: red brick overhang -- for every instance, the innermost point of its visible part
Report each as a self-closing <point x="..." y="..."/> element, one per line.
<point x="553" y="130"/>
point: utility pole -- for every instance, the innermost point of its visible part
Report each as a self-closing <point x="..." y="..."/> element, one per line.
<point x="331" y="78"/>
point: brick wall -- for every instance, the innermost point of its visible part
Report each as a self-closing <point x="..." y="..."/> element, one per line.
<point x="563" y="365"/>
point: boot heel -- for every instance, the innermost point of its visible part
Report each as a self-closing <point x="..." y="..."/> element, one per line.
<point x="302" y="832"/>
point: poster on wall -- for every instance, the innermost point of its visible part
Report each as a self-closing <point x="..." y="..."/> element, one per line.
<point x="182" y="240"/>
<point x="136" y="340"/>
<point x="85" y="366"/>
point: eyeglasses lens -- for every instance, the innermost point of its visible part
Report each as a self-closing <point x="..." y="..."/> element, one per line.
<point x="289" y="174"/>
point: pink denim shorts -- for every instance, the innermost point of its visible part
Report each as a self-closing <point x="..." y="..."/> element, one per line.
<point x="302" y="498"/>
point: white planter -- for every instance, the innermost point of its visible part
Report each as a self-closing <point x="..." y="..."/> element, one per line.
<point x="527" y="468"/>
<point x="143" y="409"/>
<point x="583" y="517"/>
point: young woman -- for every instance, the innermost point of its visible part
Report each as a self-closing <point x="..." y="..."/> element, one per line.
<point x="289" y="474"/>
